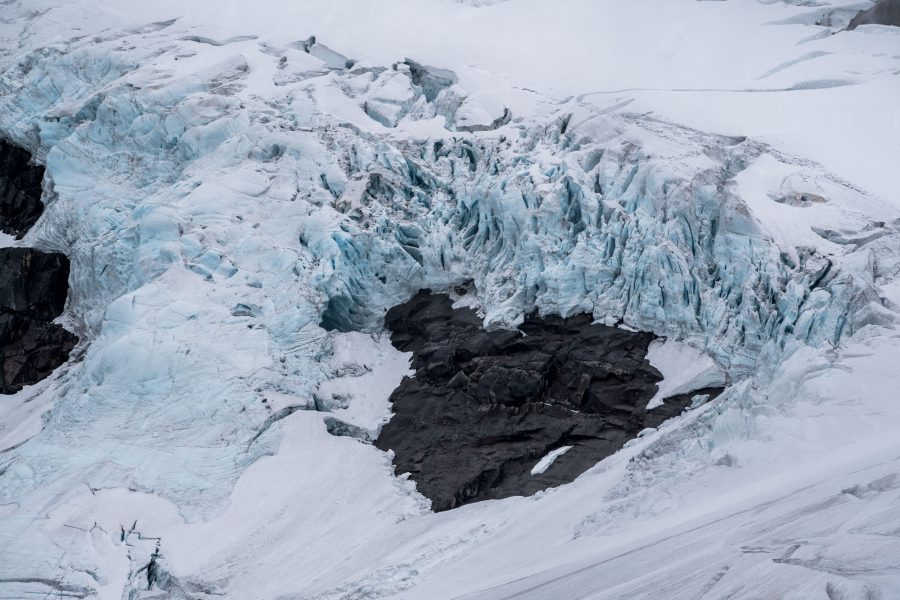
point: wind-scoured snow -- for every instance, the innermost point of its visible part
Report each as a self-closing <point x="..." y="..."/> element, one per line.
<point x="242" y="202"/>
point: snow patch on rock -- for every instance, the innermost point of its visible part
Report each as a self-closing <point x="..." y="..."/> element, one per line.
<point x="684" y="369"/>
<point x="547" y="461"/>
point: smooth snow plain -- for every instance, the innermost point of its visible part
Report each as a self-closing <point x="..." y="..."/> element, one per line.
<point x="719" y="173"/>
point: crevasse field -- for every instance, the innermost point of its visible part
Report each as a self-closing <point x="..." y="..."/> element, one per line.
<point x="244" y="188"/>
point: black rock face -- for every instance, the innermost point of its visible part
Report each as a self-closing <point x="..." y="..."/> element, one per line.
<point x="885" y="12"/>
<point x="33" y="288"/>
<point x="30" y="350"/>
<point x="33" y="284"/>
<point x="20" y="190"/>
<point x="485" y="406"/>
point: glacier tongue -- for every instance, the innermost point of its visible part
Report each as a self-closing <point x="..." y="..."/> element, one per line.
<point x="186" y="179"/>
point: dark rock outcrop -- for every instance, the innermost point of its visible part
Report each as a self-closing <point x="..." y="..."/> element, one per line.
<point x="30" y="351"/>
<point x="33" y="288"/>
<point x="885" y="12"/>
<point x="20" y="190"/>
<point x="485" y="406"/>
<point x="33" y="284"/>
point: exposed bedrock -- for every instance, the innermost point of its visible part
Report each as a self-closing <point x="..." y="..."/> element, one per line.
<point x="885" y="12"/>
<point x="30" y="350"/>
<point x="33" y="284"/>
<point x="33" y="287"/>
<point x="484" y="407"/>
<point x="20" y="190"/>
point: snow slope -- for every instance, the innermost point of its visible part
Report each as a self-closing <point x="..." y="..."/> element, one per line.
<point x="222" y="183"/>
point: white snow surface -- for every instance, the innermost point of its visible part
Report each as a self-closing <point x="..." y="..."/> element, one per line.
<point x="365" y="371"/>
<point x="546" y="461"/>
<point x="718" y="173"/>
<point x="684" y="369"/>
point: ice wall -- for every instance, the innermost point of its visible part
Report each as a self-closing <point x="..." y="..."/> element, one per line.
<point x="572" y="215"/>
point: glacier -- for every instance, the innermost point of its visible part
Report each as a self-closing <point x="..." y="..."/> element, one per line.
<point x="241" y="210"/>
